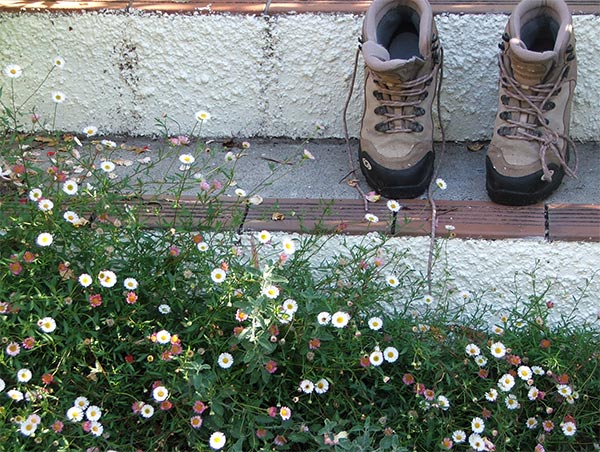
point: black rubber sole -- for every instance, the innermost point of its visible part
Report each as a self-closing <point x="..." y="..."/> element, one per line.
<point x="520" y="191"/>
<point x="398" y="184"/>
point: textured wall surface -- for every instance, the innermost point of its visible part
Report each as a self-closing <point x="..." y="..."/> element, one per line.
<point x="498" y="268"/>
<point x="257" y="75"/>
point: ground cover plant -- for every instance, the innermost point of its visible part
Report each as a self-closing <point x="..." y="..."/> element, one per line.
<point x="192" y="335"/>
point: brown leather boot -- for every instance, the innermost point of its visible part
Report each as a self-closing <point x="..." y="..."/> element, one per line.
<point x="402" y="57"/>
<point x="530" y="148"/>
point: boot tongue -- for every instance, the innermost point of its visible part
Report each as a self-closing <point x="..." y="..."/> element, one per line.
<point x="530" y="68"/>
<point x="377" y="58"/>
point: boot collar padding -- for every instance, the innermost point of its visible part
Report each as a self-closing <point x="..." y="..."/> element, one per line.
<point x="379" y="8"/>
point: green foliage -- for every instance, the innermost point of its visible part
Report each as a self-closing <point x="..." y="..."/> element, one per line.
<point x="183" y="330"/>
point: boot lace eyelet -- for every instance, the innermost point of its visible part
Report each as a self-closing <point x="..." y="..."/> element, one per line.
<point x="382" y="126"/>
<point x="416" y="127"/>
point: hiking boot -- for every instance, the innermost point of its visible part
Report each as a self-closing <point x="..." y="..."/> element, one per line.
<point x="402" y="57"/>
<point x="529" y="152"/>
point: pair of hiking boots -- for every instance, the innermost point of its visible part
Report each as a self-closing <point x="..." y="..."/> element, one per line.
<point x="529" y="152"/>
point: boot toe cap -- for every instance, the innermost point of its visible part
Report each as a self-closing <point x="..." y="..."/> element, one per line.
<point x="407" y="182"/>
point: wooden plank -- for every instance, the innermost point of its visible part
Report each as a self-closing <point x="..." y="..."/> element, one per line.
<point x="438" y="6"/>
<point x="237" y="7"/>
<point x="472" y="219"/>
<point x="189" y="213"/>
<point x="317" y="216"/>
<point x="275" y="6"/>
<point x="574" y="222"/>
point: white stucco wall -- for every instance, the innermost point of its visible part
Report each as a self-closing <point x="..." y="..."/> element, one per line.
<point x="498" y="268"/>
<point x="257" y="75"/>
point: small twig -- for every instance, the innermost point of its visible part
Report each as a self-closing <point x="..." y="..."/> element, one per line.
<point x="347" y="137"/>
<point x="281" y="162"/>
<point x="433" y="178"/>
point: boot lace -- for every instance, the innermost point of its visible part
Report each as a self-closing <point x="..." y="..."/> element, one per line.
<point x="399" y="103"/>
<point x="527" y="120"/>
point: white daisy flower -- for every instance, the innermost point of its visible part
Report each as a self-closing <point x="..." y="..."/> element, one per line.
<point x="81" y="403"/>
<point x="394" y="206"/>
<point x="75" y="414"/>
<point x="96" y="428"/>
<point x="441" y="183"/>
<point x="45" y="205"/>
<point x="340" y="319"/>
<point x="44" y="239"/>
<point x="376" y="358"/>
<point x="47" y="324"/>
<point x="324" y="318"/>
<point x="375" y="323"/>
<point x="28" y="428"/>
<point x="58" y="61"/>
<point x="147" y="411"/>
<point x="24" y="375"/>
<point x="506" y="382"/>
<point x="93" y="413"/>
<point x="217" y="440"/>
<point x="498" y="350"/>
<point x="428" y="299"/>
<point x="564" y="390"/>
<point x="164" y="309"/>
<point x="264" y="236"/>
<point x="160" y="393"/>
<point x="511" y="402"/>
<point x="163" y="337"/>
<point x="290" y="306"/>
<point x="187" y="159"/>
<point x="107" y="166"/>
<point x="371" y="218"/>
<point x="218" y="275"/>
<point x="2" y="385"/>
<point x="390" y="354"/>
<point x="240" y="192"/>
<point x="289" y="247"/>
<point x="491" y="395"/>
<point x="533" y="393"/>
<point x="531" y="423"/>
<point x="130" y="283"/>
<point x="90" y="131"/>
<point x="568" y="428"/>
<point x="108" y="144"/>
<point x="35" y="194"/>
<point x="392" y="280"/>
<point x="443" y="402"/>
<point x="477" y="425"/>
<point x="202" y="247"/>
<point x="107" y="278"/>
<point x="271" y="292"/>
<point x="202" y="116"/>
<point x="524" y="373"/>
<point x="71" y="217"/>
<point x="322" y="386"/>
<point x="476" y="442"/>
<point x="225" y="360"/>
<point x="85" y="280"/>
<point x="537" y="370"/>
<point x="472" y="350"/>
<point x="13" y="71"/>
<point x="15" y="395"/>
<point x="307" y="386"/>
<point x="481" y="360"/>
<point x="58" y="97"/>
<point x="459" y="436"/>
